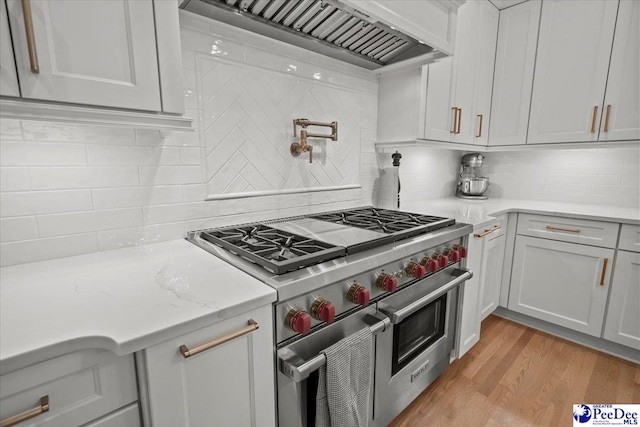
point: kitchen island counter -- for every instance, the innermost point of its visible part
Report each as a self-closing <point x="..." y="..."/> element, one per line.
<point x="121" y="300"/>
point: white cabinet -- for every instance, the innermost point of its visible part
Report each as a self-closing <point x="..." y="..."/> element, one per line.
<point x="621" y="115"/>
<point x="469" y="333"/>
<point x="491" y="271"/>
<point x="99" y="53"/>
<point x="70" y="390"/>
<point x="8" y="77"/>
<point x="562" y="283"/>
<point x="432" y="22"/>
<point x="229" y="384"/>
<point x="622" y="324"/>
<point x="574" y="47"/>
<point x="513" y="77"/>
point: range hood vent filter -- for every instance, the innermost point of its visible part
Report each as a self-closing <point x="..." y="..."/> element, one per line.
<point x="324" y="26"/>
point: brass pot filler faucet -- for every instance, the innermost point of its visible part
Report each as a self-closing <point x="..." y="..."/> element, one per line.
<point x="299" y="148"/>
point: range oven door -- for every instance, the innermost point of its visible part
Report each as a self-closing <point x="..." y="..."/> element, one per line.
<point x="298" y="365"/>
<point x="417" y="347"/>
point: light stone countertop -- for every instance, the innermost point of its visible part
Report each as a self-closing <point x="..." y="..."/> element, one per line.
<point x="480" y="213"/>
<point x="121" y="300"/>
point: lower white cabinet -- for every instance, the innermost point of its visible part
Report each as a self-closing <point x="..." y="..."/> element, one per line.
<point x="229" y="384"/>
<point x="491" y="271"/>
<point x="71" y="390"/>
<point x="562" y="283"/>
<point x="622" y="324"/>
<point x="469" y="333"/>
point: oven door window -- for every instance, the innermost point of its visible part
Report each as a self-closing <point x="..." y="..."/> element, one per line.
<point x="417" y="332"/>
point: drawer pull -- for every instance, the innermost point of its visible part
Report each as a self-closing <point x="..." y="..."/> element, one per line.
<point x="487" y="232"/>
<point x="188" y="352"/>
<point x="31" y="38"/>
<point x="31" y="413"/>
<point x="604" y="271"/>
<point x="568" y="230"/>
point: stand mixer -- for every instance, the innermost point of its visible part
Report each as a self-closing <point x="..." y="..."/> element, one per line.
<point x="470" y="185"/>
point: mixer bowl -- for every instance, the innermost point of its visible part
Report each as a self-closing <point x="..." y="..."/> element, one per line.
<point x="473" y="186"/>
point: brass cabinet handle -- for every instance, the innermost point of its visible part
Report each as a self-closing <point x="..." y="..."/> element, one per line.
<point x="568" y="230"/>
<point x="459" y="120"/>
<point x="31" y="413"/>
<point x="479" y="130"/>
<point x="606" y="118"/>
<point x="31" y="38"/>
<point x="188" y="352"/>
<point x="604" y="271"/>
<point x="487" y="232"/>
<point x="593" y="119"/>
<point x="455" y="119"/>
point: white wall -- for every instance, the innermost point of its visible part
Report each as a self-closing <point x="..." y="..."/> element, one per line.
<point x="68" y="190"/>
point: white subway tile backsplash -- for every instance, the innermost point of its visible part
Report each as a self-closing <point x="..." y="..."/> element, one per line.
<point x="18" y="228"/>
<point x="45" y="131"/>
<point x="52" y="178"/>
<point x="82" y="222"/>
<point x="10" y="129"/>
<point x="44" y="202"/>
<point x="132" y="155"/>
<point x="167" y="175"/>
<point x="125" y="237"/>
<point x="22" y="153"/>
<point x="14" y="179"/>
<point x="110" y="198"/>
<point x="42" y="249"/>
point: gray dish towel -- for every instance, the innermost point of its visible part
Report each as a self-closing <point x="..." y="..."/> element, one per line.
<point x="344" y="382"/>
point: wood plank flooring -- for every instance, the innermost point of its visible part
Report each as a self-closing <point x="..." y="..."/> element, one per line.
<point x="517" y="376"/>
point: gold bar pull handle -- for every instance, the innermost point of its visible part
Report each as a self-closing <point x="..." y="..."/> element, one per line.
<point x="487" y="232"/>
<point x="606" y="118"/>
<point x="31" y="38"/>
<point x="604" y="271"/>
<point x="568" y="230"/>
<point x="480" y="128"/>
<point x="593" y="119"/>
<point x="27" y="415"/>
<point x="455" y="119"/>
<point x="188" y="352"/>
<point x="459" y="120"/>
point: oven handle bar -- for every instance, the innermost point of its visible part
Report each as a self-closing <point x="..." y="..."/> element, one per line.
<point x="397" y="315"/>
<point x="299" y="369"/>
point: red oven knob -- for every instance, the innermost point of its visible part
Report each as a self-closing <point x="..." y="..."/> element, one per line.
<point x="298" y="321"/>
<point x="454" y="255"/>
<point x="323" y="310"/>
<point x="461" y="249"/>
<point x="387" y="282"/>
<point x="431" y="264"/>
<point x="358" y="294"/>
<point x="443" y="260"/>
<point x="416" y="270"/>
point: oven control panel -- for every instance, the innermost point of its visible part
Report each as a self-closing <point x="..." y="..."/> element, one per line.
<point x="305" y="313"/>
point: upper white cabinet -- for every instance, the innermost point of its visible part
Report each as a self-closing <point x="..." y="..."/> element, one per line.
<point x="621" y="110"/>
<point x="227" y="381"/>
<point x="432" y="22"/>
<point x="8" y="77"/>
<point x="574" y="47"/>
<point x="622" y="324"/>
<point x="513" y="78"/>
<point x="99" y="53"/>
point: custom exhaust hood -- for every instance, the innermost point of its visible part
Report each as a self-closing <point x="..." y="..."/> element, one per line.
<point x="328" y="27"/>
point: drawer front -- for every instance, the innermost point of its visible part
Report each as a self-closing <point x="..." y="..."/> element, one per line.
<point x="80" y="387"/>
<point x="630" y="238"/>
<point x="129" y="417"/>
<point x="583" y="231"/>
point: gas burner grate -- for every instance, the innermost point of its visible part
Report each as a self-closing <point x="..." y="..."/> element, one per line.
<point x="276" y="250"/>
<point x="402" y="224"/>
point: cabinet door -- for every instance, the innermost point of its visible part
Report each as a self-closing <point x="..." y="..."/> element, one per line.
<point x="99" y="52"/>
<point x="621" y="118"/>
<point x="561" y="283"/>
<point x="231" y="384"/>
<point x="515" y="59"/>
<point x="469" y="314"/>
<point x="438" y="123"/>
<point x="487" y="36"/>
<point x="491" y="272"/>
<point x="623" y="314"/>
<point x="8" y="76"/>
<point x="574" y="47"/>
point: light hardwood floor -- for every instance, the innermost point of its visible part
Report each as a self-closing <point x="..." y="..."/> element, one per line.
<point x="517" y="376"/>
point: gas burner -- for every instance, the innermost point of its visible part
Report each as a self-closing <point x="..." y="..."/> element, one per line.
<point x="276" y="250"/>
<point x="404" y="224"/>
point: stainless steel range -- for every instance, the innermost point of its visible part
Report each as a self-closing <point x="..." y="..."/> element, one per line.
<point x="338" y="272"/>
